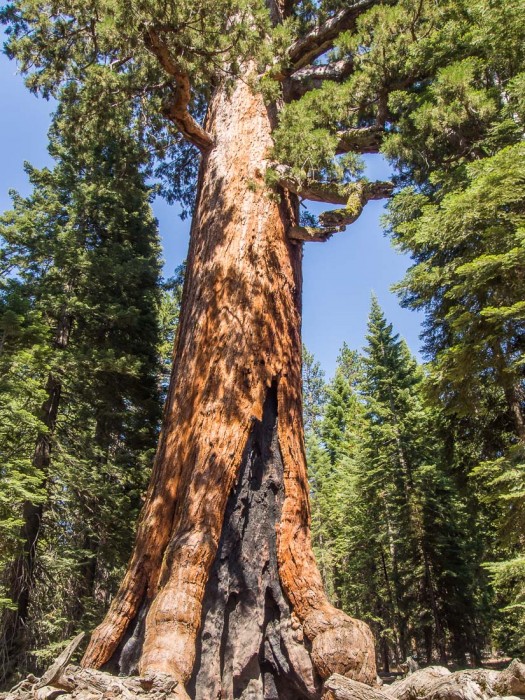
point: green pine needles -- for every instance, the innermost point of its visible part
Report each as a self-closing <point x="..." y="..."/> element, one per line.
<point x="84" y="329"/>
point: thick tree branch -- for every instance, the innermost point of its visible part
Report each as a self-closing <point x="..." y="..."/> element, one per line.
<point x="306" y="49"/>
<point x="176" y="109"/>
<point x="353" y="196"/>
<point x="332" y="192"/>
<point x="335" y="220"/>
<point x="315" y="191"/>
<point x="365" y="139"/>
<point x="311" y="234"/>
<point x="312" y="77"/>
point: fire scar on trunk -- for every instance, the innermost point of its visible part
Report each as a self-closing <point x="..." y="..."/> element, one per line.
<point x="240" y="356"/>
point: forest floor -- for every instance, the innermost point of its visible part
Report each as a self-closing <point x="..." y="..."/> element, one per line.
<point x="496" y="680"/>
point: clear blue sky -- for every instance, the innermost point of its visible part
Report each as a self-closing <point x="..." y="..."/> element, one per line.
<point x="339" y="276"/>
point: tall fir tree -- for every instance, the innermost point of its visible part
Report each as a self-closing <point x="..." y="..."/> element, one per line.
<point x="332" y="455"/>
<point x="424" y="558"/>
<point x="314" y="390"/>
<point x="460" y="150"/>
<point x="82" y="252"/>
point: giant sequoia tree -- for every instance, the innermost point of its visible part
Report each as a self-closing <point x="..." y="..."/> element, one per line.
<point x="277" y="99"/>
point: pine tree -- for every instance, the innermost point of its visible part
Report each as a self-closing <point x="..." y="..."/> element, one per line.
<point x="338" y="80"/>
<point x="82" y="250"/>
<point x="331" y="460"/>
<point x="314" y="389"/>
<point x="460" y="151"/>
<point x="468" y="278"/>
<point x="169" y="311"/>
<point x="411" y="500"/>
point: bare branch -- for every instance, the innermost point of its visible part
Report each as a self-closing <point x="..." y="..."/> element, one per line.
<point x="366" y="139"/>
<point x="353" y="196"/>
<point x="177" y="108"/>
<point x="306" y="49"/>
<point x="335" y="220"/>
<point x="312" y="77"/>
<point x="332" y="192"/>
<point x="315" y="191"/>
<point x="310" y="234"/>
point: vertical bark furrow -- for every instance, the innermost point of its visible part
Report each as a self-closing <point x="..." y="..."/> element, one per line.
<point x="126" y="658"/>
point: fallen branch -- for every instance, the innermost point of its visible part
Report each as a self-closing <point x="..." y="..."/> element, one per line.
<point x="54" y="672"/>
<point x="88" y="684"/>
<point x="437" y="683"/>
<point x="417" y="684"/>
<point x="340" y="688"/>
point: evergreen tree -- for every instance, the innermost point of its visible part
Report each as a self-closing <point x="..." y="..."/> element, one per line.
<point x="313" y="392"/>
<point x="417" y="534"/>
<point x="459" y="148"/>
<point x="469" y="252"/>
<point x="339" y="429"/>
<point x="332" y="458"/>
<point x="82" y="251"/>
<point x="390" y="522"/>
<point x="169" y="310"/>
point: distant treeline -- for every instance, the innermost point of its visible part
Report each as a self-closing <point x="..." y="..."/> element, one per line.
<point x="418" y="514"/>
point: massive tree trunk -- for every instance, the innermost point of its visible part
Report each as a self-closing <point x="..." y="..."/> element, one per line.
<point x="222" y="590"/>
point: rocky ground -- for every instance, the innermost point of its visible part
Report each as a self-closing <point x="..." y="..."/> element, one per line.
<point x="68" y="682"/>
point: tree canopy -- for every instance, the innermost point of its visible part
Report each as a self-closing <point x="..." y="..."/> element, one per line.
<point x="416" y="473"/>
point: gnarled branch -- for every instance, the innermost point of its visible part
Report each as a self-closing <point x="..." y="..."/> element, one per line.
<point x="366" y="139"/>
<point x="311" y="234"/>
<point x="353" y="196"/>
<point x="333" y="220"/>
<point x="176" y="109"/>
<point x="311" y="77"/>
<point x="306" y="49"/>
<point x="332" y="192"/>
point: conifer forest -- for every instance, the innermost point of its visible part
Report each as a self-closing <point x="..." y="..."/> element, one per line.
<point x="191" y="508"/>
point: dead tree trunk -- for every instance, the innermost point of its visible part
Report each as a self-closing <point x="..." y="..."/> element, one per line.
<point x="223" y="544"/>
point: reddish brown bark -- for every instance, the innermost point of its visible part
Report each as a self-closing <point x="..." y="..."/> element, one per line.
<point x="239" y="335"/>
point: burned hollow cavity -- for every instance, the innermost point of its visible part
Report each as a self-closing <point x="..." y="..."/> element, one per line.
<point x="249" y="645"/>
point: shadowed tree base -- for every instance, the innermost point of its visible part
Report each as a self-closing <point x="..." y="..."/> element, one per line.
<point x="250" y="645"/>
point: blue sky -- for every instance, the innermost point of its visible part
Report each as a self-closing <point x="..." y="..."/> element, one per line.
<point x="339" y="275"/>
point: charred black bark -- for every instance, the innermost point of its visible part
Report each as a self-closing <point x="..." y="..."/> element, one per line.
<point x="127" y="656"/>
<point x="249" y="645"/>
